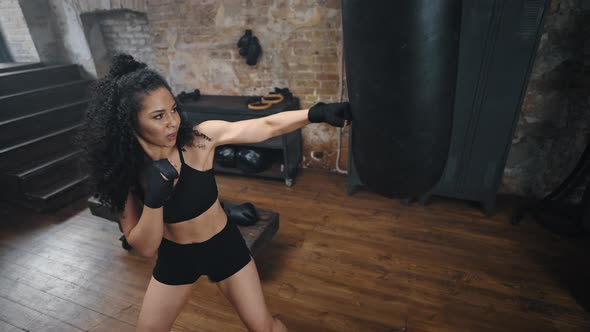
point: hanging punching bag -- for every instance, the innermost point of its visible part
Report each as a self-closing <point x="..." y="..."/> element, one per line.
<point x="401" y="67"/>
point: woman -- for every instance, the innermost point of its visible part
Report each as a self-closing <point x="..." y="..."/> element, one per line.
<point x="146" y="161"/>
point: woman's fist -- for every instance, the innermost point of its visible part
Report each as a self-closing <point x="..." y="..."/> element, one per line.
<point x="336" y="114"/>
<point x="160" y="183"/>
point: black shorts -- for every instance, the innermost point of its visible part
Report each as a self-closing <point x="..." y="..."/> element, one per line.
<point x="218" y="258"/>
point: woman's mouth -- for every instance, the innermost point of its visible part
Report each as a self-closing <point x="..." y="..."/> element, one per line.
<point x="172" y="136"/>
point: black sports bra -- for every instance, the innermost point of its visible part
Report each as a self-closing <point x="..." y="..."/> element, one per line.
<point x="195" y="192"/>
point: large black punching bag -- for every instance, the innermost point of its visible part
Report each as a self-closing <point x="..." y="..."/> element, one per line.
<point x="401" y="67"/>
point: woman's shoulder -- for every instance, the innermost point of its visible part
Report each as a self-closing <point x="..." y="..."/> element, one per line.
<point x="210" y="130"/>
<point x="205" y="130"/>
<point x="201" y="138"/>
<point x="197" y="151"/>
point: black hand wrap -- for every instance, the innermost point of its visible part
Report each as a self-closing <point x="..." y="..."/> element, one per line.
<point x="333" y="113"/>
<point x="158" y="188"/>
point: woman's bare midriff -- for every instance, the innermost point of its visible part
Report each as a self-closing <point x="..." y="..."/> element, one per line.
<point x="199" y="229"/>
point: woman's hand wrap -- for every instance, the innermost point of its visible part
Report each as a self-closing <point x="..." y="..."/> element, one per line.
<point x="159" y="188"/>
<point x="335" y="114"/>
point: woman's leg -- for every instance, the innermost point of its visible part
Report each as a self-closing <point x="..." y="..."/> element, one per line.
<point x="161" y="305"/>
<point x="244" y="291"/>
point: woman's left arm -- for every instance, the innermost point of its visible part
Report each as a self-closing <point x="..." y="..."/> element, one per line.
<point x="261" y="129"/>
<point x="286" y="122"/>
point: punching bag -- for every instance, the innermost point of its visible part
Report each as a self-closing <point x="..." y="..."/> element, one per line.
<point x="401" y="67"/>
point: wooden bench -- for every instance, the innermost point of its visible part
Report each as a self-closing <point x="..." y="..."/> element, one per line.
<point x="257" y="236"/>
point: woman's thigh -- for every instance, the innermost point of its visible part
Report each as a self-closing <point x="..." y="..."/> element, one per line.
<point x="244" y="291"/>
<point x="161" y="305"/>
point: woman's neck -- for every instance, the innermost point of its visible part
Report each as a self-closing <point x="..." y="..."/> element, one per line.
<point x="159" y="152"/>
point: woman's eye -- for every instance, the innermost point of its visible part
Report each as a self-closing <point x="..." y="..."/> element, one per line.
<point x="159" y="116"/>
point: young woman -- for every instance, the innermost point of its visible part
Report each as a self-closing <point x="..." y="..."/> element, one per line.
<point x="148" y="162"/>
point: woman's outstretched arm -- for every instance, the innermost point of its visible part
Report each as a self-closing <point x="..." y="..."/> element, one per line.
<point x="285" y="122"/>
<point x="260" y="129"/>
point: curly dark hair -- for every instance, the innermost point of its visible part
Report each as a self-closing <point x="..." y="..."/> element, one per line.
<point x="113" y="156"/>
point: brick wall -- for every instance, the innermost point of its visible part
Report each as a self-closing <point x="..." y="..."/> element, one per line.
<point x="125" y="31"/>
<point x="554" y="125"/>
<point x="44" y="31"/>
<point x="16" y="33"/>
<point x="195" y="47"/>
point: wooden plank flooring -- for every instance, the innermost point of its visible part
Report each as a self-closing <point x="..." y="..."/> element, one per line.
<point x="338" y="263"/>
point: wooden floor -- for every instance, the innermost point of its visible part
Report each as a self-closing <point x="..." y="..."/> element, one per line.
<point x="338" y="263"/>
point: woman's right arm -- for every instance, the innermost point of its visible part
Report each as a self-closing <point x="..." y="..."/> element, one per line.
<point x="143" y="226"/>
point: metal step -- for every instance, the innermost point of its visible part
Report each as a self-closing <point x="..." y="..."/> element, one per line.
<point x="40" y="173"/>
<point x="16" y="66"/>
<point x="37" y="124"/>
<point x="56" y="195"/>
<point x="38" y="148"/>
<point x="29" y="79"/>
<point x="33" y="101"/>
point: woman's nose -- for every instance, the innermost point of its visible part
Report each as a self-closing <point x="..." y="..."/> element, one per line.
<point x="172" y="122"/>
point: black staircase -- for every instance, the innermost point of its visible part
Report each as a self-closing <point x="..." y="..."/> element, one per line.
<point x="41" y="109"/>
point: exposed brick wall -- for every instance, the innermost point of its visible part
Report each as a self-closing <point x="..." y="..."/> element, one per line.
<point x="85" y="6"/>
<point x="195" y="46"/>
<point x="68" y="24"/>
<point x="63" y="18"/>
<point x="16" y="33"/>
<point x="44" y="31"/>
<point x="125" y="31"/>
<point x="554" y="125"/>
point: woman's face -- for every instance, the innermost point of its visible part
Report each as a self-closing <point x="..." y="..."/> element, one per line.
<point x="158" y="119"/>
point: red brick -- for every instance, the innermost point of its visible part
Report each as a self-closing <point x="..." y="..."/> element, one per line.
<point x="322" y="59"/>
<point x="327" y="77"/>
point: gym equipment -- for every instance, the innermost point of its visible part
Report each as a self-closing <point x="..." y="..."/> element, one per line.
<point x="225" y="156"/>
<point x="183" y="96"/>
<point x="273" y="98"/>
<point x="251" y="160"/>
<point x="249" y="47"/>
<point x="259" y="105"/>
<point x="244" y="214"/>
<point x="401" y="66"/>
